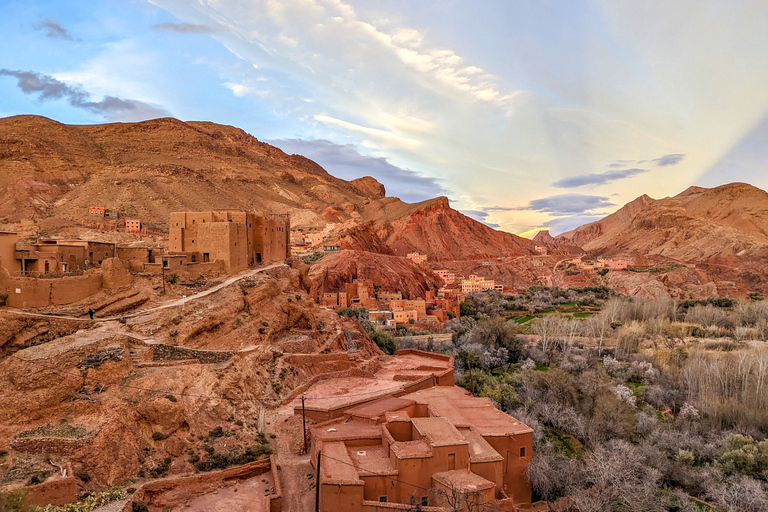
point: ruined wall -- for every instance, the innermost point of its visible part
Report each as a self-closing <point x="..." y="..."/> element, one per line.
<point x="114" y="274"/>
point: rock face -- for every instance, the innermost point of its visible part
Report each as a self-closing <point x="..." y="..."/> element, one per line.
<point x="389" y="272"/>
<point x="697" y="225"/>
<point x="51" y="173"/>
<point x="430" y="227"/>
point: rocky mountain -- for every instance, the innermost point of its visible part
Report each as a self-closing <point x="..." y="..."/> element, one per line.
<point x="53" y="172"/>
<point x="696" y="225"/>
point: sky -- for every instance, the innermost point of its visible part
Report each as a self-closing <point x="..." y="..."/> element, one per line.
<point x="526" y="115"/>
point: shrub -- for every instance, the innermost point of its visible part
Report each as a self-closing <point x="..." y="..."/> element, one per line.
<point x="173" y="279"/>
<point x="158" y="436"/>
<point x="176" y="320"/>
<point x="172" y="398"/>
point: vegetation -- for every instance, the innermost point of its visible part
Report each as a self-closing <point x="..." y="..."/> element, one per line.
<point x="313" y="257"/>
<point x="639" y="405"/>
<point x="236" y="456"/>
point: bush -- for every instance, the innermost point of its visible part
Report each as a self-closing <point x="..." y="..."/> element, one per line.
<point x="173" y="279"/>
<point x="234" y="457"/>
<point x="158" y="436"/>
<point x="176" y="320"/>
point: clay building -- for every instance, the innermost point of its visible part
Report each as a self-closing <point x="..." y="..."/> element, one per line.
<point x="8" y="241"/>
<point x="133" y="225"/>
<point x="447" y="276"/>
<point x="97" y="211"/>
<point x="416" y="257"/>
<point x="238" y="239"/>
<point x="414" y="448"/>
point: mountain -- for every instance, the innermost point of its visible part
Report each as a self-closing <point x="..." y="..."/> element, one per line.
<point x="696" y="225"/>
<point x="53" y="172"/>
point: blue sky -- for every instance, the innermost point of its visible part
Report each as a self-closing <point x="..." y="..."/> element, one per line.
<point x="527" y="115"/>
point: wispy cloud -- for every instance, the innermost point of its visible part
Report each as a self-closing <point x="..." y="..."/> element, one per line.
<point x="672" y="159"/>
<point x="480" y="216"/>
<point x="371" y="132"/>
<point x="186" y="28"/>
<point x="113" y="108"/>
<point x="567" y="204"/>
<point x="597" y="178"/>
<point x="346" y="162"/>
<point x="54" y="29"/>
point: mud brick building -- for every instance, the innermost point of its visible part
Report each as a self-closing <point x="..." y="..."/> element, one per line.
<point x="239" y="239"/>
<point x="417" y="445"/>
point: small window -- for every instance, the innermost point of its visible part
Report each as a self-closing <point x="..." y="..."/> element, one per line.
<point x="382" y="499"/>
<point x="522" y="451"/>
<point x="193" y="241"/>
<point x="424" y="501"/>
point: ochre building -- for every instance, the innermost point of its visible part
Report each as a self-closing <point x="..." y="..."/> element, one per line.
<point x="426" y="448"/>
<point x="239" y="239"/>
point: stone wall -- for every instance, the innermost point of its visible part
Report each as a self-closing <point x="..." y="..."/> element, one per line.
<point x="49" y="445"/>
<point x="162" y="352"/>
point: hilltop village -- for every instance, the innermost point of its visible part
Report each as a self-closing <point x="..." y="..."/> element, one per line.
<point x="397" y="427"/>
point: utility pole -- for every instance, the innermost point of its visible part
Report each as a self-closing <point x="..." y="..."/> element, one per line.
<point x="304" y="422"/>
<point x="317" y="484"/>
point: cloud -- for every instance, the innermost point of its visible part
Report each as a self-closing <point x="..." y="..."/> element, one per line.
<point x="111" y="107"/>
<point x="597" y="178"/>
<point x="567" y="204"/>
<point x="672" y="159"/>
<point x="54" y="29"/>
<point x="186" y="28"/>
<point x="565" y="224"/>
<point x="371" y="132"/>
<point x="344" y="161"/>
<point x="480" y="216"/>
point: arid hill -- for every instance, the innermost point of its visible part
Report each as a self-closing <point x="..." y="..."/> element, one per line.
<point x="53" y="172"/>
<point x="695" y="226"/>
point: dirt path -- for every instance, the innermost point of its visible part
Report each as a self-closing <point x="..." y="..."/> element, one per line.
<point x="170" y="304"/>
<point x="297" y="476"/>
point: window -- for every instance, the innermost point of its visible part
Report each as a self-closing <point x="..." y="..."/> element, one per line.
<point x="522" y="451"/>
<point x="382" y="499"/>
<point x="424" y="501"/>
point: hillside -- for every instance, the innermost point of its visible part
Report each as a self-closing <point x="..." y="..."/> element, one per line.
<point x="696" y="225"/>
<point x="51" y="174"/>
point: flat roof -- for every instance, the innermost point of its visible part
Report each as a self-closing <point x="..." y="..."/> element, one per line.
<point x="371" y="460"/>
<point x="336" y="467"/>
<point x="338" y="431"/>
<point x="479" y="449"/>
<point x="380" y="407"/>
<point x="465" y="410"/>
<point x="439" y="431"/>
<point x="412" y="449"/>
<point x="461" y="480"/>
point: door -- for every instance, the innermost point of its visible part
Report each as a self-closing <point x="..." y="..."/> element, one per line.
<point x="451" y="461"/>
<point x="47" y="266"/>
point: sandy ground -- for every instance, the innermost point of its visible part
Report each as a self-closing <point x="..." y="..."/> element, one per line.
<point x="247" y="496"/>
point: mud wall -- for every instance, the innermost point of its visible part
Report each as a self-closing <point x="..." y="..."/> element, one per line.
<point x="32" y="292"/>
